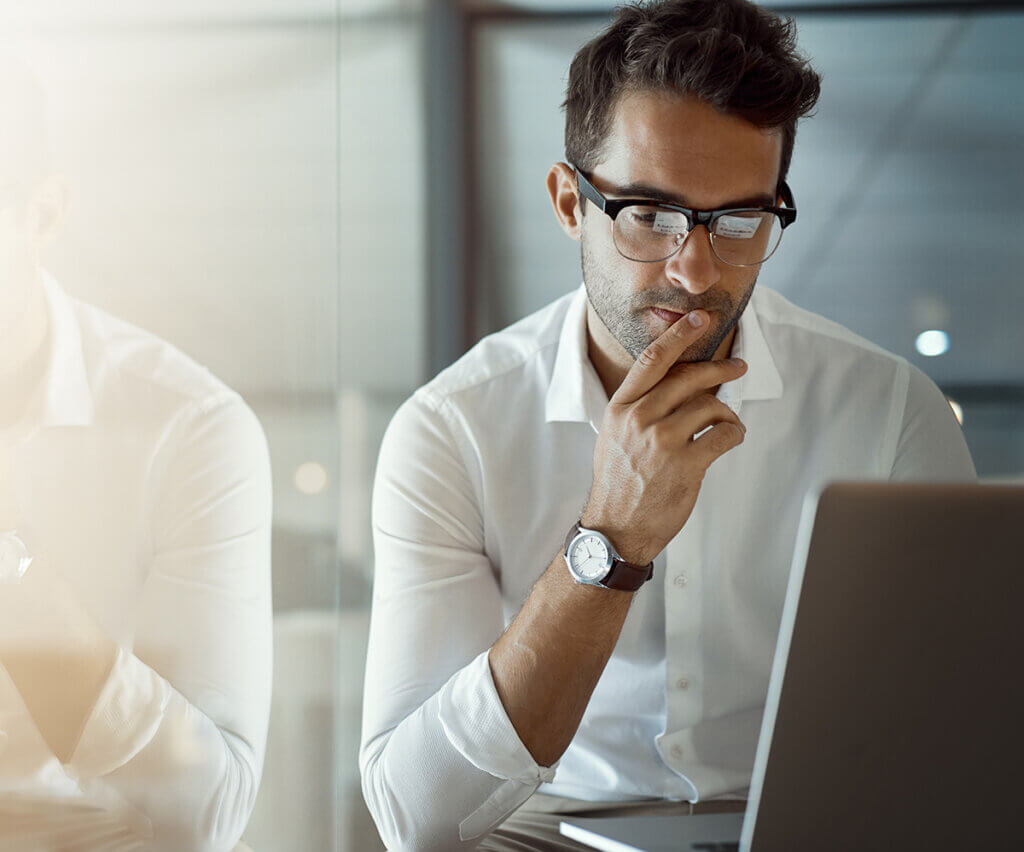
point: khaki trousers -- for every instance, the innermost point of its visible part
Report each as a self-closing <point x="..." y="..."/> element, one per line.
<point x="534" y="826"/>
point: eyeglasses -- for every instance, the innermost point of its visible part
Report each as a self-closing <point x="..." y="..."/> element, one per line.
<point x="649" y="231"/>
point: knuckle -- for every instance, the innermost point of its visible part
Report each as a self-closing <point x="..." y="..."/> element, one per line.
<point x="660" y="436"/>
<point x="651" y="355"/>
<point x="615" y="411"/>
<point x="705" y="403"/>
<point x="730" y="435"/>
<point x="681" y="370"/>
<point x="634" y="418"/>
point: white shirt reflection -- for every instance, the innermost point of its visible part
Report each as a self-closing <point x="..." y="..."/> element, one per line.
<point x="140" y="485"/>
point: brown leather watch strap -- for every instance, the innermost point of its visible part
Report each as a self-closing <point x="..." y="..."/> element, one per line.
<point x="623" y="576"/>
<point x="627" y="577"/>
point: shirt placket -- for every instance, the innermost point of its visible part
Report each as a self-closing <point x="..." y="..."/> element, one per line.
<point x="684" y="672"/>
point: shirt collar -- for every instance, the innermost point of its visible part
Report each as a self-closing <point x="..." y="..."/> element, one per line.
<point x="576" y="395"/>
<point x="65" y="397"/>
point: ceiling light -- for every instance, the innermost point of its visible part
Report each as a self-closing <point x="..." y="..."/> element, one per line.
<point x="932" y="343"/>
<point x="311" y="478"/>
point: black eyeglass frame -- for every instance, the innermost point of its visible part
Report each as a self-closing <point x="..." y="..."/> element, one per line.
<point x="612" y="208"/>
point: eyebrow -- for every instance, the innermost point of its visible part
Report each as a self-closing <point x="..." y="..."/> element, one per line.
<point x="652" y="193"/>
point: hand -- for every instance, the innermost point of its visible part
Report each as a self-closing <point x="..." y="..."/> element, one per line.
<point x="55" y="653"/>
<point x="42" y="612"/>
<point x="648" y="468"/>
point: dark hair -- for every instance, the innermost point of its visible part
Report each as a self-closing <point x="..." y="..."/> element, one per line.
<point x="735" y="56"/>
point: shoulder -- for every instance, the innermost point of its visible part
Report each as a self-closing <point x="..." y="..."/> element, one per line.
<point x="783" y="322"/>
<point x="521" y="354"/>
<point x="132" y="370"/>
<point x="811" y="348"/>
<point x="117" y="350"/>
<point x="151" y="387"/>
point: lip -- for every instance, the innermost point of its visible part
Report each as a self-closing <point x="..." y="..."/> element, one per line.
<point x="669" y="316"/>
<point x="666" y="315"/>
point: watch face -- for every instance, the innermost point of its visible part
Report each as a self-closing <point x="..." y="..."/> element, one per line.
<point x="590" y="558"/>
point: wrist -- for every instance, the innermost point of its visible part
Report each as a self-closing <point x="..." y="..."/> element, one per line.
<point x="630" y="547"/>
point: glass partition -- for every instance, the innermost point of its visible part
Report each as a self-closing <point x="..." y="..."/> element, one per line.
<point x="245" y="184"/>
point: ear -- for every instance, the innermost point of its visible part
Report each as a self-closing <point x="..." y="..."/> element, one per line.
<point x="46" y="208"/>
<point x="565" y="199"/>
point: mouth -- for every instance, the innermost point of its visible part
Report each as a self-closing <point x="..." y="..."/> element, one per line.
<point x="666" y="315"/>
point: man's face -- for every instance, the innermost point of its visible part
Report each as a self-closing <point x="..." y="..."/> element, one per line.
<point x="682" y="151"/>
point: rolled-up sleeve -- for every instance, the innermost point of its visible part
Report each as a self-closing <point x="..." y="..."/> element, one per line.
<point x="440" y="761"/>
<point x="179" y="728"/>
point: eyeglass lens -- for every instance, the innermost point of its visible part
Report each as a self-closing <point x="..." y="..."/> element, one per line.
<point x="648" y="233"/>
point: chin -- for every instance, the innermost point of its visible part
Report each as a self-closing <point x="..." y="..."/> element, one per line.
<point x="694" y="354"/>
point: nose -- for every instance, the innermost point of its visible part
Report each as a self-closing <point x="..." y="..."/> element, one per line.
<point x="694" y="267"/>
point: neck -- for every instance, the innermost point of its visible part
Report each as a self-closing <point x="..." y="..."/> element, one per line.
<point x="611" y="361"/>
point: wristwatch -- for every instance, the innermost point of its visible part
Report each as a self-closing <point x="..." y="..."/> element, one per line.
<point x="14" y="557"/>
<point x="593" y="561"/>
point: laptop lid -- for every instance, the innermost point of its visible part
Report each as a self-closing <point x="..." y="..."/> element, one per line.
<point x="895" y="709"/>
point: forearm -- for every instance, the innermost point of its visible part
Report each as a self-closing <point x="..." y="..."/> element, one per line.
<point x="59" y="686"/>
<point x="547" y="663"/>
<point x="191" y="780"/>
<point x="450" y="771"/>
<point x="56" y="654"/>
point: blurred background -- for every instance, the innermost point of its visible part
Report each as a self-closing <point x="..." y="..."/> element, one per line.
<point x="327" y="201"/>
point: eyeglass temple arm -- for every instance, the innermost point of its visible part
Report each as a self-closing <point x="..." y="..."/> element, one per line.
<point x="589" y="191"/>
<point x="787" y="199"/>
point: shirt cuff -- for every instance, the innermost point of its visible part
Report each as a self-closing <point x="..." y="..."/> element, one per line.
<point x="127" y="715"/>
<point x="476" y="724"/>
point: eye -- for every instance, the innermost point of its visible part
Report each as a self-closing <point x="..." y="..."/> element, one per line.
<point x="641" y="215"/>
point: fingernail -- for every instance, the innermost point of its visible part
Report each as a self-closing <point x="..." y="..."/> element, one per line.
<point x="739" y="362"/>
<point x="695" y="318"/>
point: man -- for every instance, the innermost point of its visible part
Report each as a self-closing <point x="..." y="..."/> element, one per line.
<point x="135" y="623"/>
<point x="669" y="411"/>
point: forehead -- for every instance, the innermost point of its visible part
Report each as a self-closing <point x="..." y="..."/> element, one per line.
<point x="686" y="148"/>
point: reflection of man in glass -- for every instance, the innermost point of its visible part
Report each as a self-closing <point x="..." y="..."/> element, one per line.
<point x="135" y="621"/>
<point x="549" y="591"/>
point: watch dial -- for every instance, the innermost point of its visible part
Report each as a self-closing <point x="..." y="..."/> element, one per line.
<point x="590" y="558"/>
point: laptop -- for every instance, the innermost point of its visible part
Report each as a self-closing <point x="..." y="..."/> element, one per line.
<point x="895" y="709"/>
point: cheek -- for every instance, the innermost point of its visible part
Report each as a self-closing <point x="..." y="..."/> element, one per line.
<point x="605" y="262"/>
<point x="737" y="282"/>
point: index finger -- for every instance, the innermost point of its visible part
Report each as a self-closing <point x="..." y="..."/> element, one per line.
<point x="661" y="353"/>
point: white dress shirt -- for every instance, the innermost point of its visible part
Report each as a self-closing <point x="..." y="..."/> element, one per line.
<point x="481" y="474"/>
<point x="144" y="483"/>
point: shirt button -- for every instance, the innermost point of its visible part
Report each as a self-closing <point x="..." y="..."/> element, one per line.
<point x="683" y="683"/>
<point x="680" y="580"/>
<point x="677" y="752"/>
